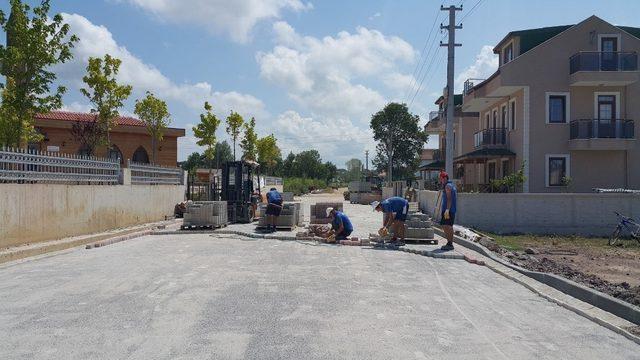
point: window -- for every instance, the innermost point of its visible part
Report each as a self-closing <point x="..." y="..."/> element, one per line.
<point x="503" y="116"/>
<point x="505" y="168"/>
<point x="557" y="108"/>
<point x="140" y="156"/>
<point x="495" y="118"/>
<point x="492" y="170"/>
<point x="557" y="168"/>
<point x="507" y="54"/>
<point x="512" y="114"/>
<point x="486" y="117"/>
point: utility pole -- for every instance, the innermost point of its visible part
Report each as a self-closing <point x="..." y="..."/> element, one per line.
<point x="366" y="156"/>
<point x="451" y="50"/>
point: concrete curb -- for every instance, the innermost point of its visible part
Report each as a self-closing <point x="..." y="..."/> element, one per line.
<point x="118" y="239"/>
<point x="580" y="292"/>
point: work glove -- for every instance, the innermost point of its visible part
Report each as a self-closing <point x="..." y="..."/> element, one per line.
<point x="446" y="214"/>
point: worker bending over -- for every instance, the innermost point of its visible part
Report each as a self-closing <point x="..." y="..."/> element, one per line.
<point x="274" y="208"/>
<point x="395" y="211"/>
<point x="341" y="226"/>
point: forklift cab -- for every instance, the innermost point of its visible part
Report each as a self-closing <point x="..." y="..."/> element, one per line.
<point x="238" y="184"/>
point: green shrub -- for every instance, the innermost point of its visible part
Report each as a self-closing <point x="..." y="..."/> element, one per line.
<point x="300" y="186"/>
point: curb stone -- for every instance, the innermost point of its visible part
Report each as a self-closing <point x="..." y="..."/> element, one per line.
<point x="524" y="277"/>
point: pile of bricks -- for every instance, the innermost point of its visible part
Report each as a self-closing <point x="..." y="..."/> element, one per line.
<point x="319" y="212"/>
<point x="206" y="214"/>
<point x="290" y="216"/>
<point x="418" y="226"/>
<point x="355" y="242"/>
<point x="360" y="193"/>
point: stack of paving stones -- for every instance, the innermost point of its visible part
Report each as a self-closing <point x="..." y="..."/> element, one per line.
<point x="287" y="196"/>
<point x="418" y="227"/>
<point x="200" y="214"/>
<point x="289" y="217"/>
<point x="360" y="193"/>
<point x="319" y="212"/>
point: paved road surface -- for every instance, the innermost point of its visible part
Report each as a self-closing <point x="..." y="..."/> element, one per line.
<point x="200" y="297"/>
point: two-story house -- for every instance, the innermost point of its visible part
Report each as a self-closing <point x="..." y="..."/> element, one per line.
<point x="562" y="104"/>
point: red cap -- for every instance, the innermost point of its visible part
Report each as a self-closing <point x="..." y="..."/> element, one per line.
<point x="443" y="174"/>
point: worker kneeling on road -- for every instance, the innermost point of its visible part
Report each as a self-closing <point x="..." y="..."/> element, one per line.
<point x="395" y="210"/>
<point x="341" y="226"/>
<point x="274" y="208"/>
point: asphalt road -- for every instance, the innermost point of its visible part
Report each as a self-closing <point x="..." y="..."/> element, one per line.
<point x="195" y="296"/>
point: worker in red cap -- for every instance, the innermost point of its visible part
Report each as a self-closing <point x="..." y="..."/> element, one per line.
<point x="448" y="208"/>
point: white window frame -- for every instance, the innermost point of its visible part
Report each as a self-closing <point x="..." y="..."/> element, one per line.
<point x="495" y="110"/>
<point x="506" y="115"/>
<point x="567" y="109"/>
<point x="600" y="36"/>
<point x="596" y="115"/>
<point x="504" y="49"/>
<point x="512" y="123"/>
<point x="567" y="158"/>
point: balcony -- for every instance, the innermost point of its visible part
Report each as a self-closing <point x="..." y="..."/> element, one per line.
<point x="602" y="134"/>
<point x="490" y="138"/>
<point x="592" y="68"/>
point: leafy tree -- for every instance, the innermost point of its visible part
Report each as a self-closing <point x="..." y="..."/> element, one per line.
<point x="223" y="153"/>
<point x="331" y="170"/>
<point x="155" y="114"/>
<point x="193" y="162"/>
<point x="104" y="92"/>
<point x="88" y="134"/>
<point x="234" y="124"/>
<point x="205" y="131"/>
<point x="34" y="45"/>
<point x="354" y="169"/>
<point x="288" y="165"/>
<point x="268" y="153"/>
<point x="400" y="139"/>
<point x="248" y="142"/>
<point x="308" y="164"/>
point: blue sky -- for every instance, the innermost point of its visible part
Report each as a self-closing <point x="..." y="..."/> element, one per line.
<point x="311" y="72"/>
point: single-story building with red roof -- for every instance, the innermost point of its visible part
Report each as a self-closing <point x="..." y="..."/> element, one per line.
<point x="129" y="138"/>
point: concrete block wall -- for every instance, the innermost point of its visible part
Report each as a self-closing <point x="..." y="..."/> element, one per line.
<point x="33" y="213"/>
<point x="537" y="213"/>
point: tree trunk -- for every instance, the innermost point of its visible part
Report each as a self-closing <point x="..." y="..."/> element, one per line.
<point x="153" y="149"/>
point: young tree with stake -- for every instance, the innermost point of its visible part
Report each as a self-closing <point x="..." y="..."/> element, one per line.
<point x="234" y="124"/>
<point x="205" y="132"/>
<point x="155" y="114"/>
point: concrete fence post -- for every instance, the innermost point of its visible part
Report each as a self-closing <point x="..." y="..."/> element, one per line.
<point x="125" y="176"/>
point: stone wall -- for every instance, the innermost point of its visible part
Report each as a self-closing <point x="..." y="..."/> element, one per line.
<point x="568" y="213"/>
<point x="38" y="212"/>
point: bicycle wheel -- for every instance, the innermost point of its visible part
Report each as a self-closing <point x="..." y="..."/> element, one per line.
<point x="615" y="236"/>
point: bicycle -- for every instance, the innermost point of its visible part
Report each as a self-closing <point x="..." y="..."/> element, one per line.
<point x="628" y="224"/>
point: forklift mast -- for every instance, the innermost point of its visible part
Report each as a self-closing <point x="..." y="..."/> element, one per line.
<point x="237" y="187"/>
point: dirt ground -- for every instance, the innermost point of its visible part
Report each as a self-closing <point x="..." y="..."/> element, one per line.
<point x="590" y="261"/>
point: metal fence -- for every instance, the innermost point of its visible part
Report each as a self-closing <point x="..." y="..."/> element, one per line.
<point x="28" y="166"/>
<point x="148" y="174"/>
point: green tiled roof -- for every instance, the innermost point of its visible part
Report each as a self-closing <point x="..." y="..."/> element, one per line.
<point x="531" y="38"/>
<point x="483" y="153"/>
<point x="631" y="30"/>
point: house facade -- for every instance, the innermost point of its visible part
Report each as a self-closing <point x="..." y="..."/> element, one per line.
<point x="561" y="106"/>
<point x="129" y="138"/>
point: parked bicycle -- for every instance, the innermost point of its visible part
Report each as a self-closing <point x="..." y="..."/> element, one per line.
<point x="626" y="225"/>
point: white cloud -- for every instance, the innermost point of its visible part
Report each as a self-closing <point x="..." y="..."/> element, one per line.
<point x="376" y="15"/>
<point x="236" y="18"/>
<point x="327" y="75"/>
<point x="96" y="41"/>
<point x="337" y="139"/>
<point x="486" y="64"/>
<point x="399" y="82"/>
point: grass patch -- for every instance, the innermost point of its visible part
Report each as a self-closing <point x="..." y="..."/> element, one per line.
<point x="521" y="242"/>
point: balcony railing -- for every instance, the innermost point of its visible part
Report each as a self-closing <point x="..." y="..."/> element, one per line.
<point x="490" y="138"/>
<point x="470" y="83"/>
<point x="603" y="61"/>
<point x="434" y="115"/>
<point x="602" y="129"/>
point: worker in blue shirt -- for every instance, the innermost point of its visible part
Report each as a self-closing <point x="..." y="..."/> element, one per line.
<point x="274" y="207"/>
<point x="340" y="224"/>
<point x="448" y="209"/>
<point x="396" y="210"/>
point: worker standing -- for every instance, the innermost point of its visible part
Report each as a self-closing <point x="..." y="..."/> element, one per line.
<point x="449" y="208"/>
<point x="396" y="210"/>
<point x="274" y="207"/>
<point x="340" y="224"/>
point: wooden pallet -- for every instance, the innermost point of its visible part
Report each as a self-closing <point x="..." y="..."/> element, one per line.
<point x="202" y="227"/>
<point x="278" y="227"/>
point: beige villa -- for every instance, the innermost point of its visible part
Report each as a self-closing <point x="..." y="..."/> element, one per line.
<point x="562" y="104"/>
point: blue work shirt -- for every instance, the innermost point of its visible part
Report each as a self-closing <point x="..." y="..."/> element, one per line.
<point x="342" y="218"/>
<point x="454" y="197"/>
<point x="274" y="197"/>
<point x="394" y="204"/>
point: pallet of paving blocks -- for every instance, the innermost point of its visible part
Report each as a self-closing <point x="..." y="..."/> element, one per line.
<point x="205" y="214"/>
<point x="288" y="219"/>
<point x="359" y="187"/>
<point x="319" y="212"/>
<point x="418" y="229"/>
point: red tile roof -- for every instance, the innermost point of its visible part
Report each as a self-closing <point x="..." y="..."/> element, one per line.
<point x="75" y="116"/>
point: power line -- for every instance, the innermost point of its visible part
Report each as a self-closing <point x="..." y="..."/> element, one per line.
<point x="472" y="9"/>
<point x="419" y="89"/>
<point x="420" y="62"/>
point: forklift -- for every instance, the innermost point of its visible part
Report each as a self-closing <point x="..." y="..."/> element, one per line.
<point x="239" y="180"/>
